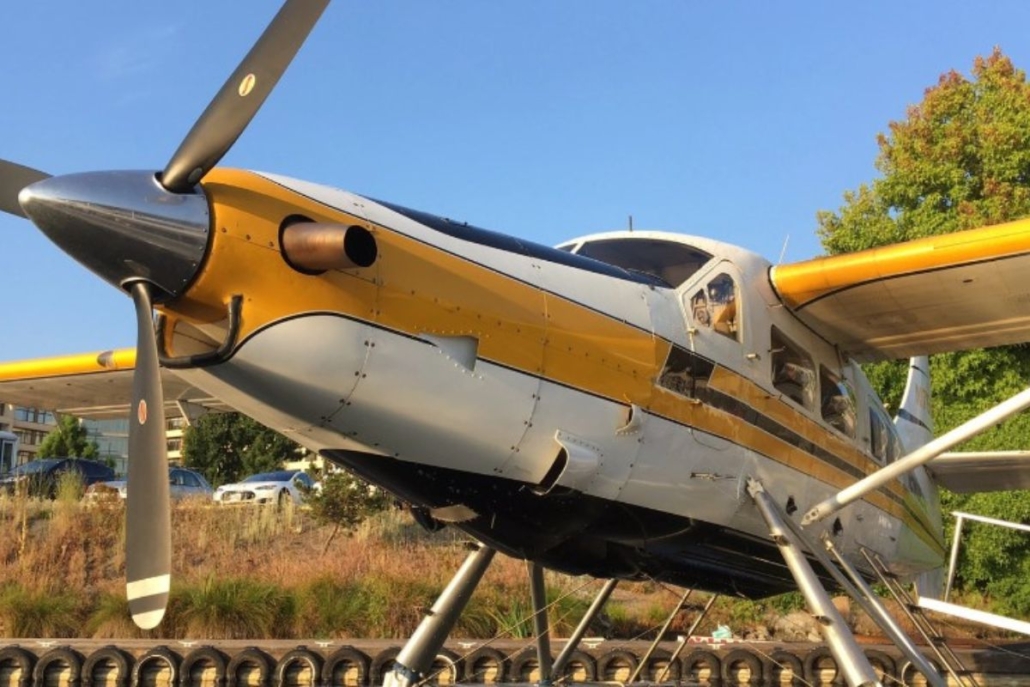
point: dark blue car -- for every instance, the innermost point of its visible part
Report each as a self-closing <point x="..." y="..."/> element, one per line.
<point x="41" y="477"/>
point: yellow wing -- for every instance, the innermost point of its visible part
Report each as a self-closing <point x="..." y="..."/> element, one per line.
<point x="969" y="289"/>
<point x="91" y="385"/>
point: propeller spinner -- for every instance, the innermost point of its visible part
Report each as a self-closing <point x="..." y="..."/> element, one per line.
<point x="146" y="234"/>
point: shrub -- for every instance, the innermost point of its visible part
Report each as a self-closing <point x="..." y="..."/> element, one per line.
<point x="328" y="608"/>
<point x="514" y="619"/>
<point x="790" y="602"/>
<point x="69" y="488"/>
<point x="109" y="618"/>
<point x="233" y="608"/>
<point x="38" y="613"/>
<point x="344" y="501"/>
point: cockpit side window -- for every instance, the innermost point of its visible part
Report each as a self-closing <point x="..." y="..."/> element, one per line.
<point x="669" y="261"/>
<point x="699" y="310"/>
<point x="793" y="373"/>
<point x="715" y="307"/>
<point x="722" y="299"/>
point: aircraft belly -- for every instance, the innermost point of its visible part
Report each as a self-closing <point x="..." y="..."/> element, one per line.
<point x="573" y="532"/>
<point x="701" y="476"/>
<point x="911" y="555"/>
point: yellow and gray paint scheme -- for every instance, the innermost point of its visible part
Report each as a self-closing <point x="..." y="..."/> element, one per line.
<point x="517" y="391"/>
<point x="557" y="404"/>
<point x="569" y="405"/>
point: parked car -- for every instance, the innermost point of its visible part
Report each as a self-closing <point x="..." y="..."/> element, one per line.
<point x="267" y="487"/>
<point x="43" y="476"/>
<point x="182" y="483"/>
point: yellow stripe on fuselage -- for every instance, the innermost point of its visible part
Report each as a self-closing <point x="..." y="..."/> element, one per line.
<point x="418" y="289"/>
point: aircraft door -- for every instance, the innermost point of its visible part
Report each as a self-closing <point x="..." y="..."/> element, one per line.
<point x="715" y="314"/>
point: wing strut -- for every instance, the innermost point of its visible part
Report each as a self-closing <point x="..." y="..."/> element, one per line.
<point x="920" y="456"/>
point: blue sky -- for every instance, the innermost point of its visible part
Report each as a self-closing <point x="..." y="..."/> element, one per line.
<point x="546" y="120"/>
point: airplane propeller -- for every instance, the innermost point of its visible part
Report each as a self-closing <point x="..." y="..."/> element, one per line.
<point x="13" y="178"/>
<point x="148" y="528"/>
<point x="87" y="214"/>
<point x="242" y="95"/>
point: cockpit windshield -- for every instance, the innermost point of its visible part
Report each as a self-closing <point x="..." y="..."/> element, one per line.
<point x="669" y="261"/>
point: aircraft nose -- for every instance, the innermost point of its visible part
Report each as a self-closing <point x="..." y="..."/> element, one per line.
<point x="123" y="226"/>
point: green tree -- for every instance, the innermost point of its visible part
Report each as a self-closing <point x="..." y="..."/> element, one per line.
<point x="68" y="438"/>
<point x="959" y="160"/>
<point x="344" y="501"/>
<point x="226" y="447"/>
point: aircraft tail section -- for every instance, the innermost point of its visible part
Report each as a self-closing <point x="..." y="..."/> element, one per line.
<point x="914" y="421"/>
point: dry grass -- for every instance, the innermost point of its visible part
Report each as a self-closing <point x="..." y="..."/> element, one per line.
<point x="243" y="572"/>
<point x="263" y="573"/>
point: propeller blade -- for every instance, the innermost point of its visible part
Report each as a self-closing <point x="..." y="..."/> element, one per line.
<point x="239" y="99"/>
<point x="148" y="529"/>
<point x="13" y="178"/>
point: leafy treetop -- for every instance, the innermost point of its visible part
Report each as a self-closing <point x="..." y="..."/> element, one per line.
<point x="227" y="447"/>
<point x="68" y="439"/>
<point x="960" y="160"/>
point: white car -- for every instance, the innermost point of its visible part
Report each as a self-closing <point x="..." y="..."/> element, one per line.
<point x="267" y="487"/>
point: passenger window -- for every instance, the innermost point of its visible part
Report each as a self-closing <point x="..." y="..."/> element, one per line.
<point x="793" y="373"/>
<point x="895" y="450"/>
<point x="837" y="402"/>
<point x="879" y="435"/>
<point x="887" y="445"/>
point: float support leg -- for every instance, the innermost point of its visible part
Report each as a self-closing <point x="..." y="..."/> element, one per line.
<point x="417" y="656"/>
<point x="854" y="666"/>
<point x="584" y="624"/>
<point x="541" y="627"/>
<point x="680" y="605"/>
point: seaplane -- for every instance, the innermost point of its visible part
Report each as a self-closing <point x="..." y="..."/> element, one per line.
<point x="626" y="405"/>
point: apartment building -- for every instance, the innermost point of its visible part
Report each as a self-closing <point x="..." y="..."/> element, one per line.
<point x="31" y="426"/>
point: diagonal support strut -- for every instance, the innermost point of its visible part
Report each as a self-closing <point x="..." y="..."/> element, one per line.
<point x="854" y="666"/>
<point x="920" y="456"/>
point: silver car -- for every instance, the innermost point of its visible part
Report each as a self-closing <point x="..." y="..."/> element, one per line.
<point x="182" y="483"/>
